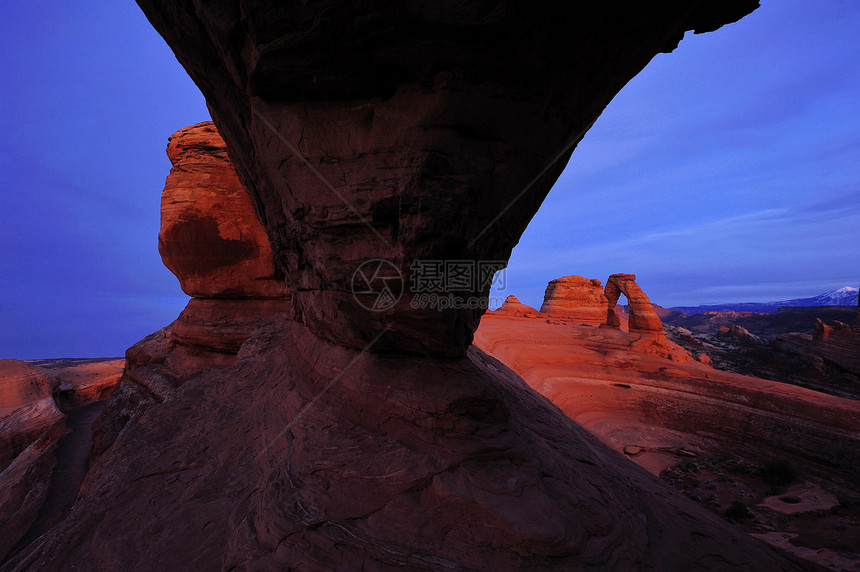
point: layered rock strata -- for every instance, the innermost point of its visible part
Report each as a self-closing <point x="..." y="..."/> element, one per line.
<point x="839" y="344"/>
<point x="212" y="240"/>
<point x="80" y="385"/>
<point x="24" y="488"/>
<point x="642" y="318"/>
<point x="263" y="446"/>
<point x="630" y="396"/>
<point x="40" y="407"/>
<point x="576" y="298"/>
<point x="662" y="413"/>
<point x="27" y="408"/>
<point x="210" y="237"/>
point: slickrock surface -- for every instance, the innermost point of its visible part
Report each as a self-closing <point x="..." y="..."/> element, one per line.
<point x="718" y="429"/>
<point x="513" y="307"/>
<point x="21" y="384"/>
<point x="206" y="336"/>
<point x="576" y="298"/>
<point x="343" y="460"/>
<point x="26" y="407"/>
<point x="406" y="131"/>
<point x="24" y="486"/>
<point x="211" y="238"/>
<point x="83" y="384"/>
<point x="651" y="407"/>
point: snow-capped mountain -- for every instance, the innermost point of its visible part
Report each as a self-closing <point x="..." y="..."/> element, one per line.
<point x="845" y="296"/>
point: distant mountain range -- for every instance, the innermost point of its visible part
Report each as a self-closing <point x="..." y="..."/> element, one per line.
<point x="846" y="296"/>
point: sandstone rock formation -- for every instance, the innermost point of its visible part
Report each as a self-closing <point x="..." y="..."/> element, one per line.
<point x="827" y="360"/>
<point x="335" y="437"/>
<point x="211" y="238"/>
<point x="513" y="307"/>
<point x="21" y="384"/>
<point x="642" y="317"/>
<point x="26" y="407"/>
<point x="662" y="413"/>
<point x="24" y="486"/>
<point x="628" y="396"/>
<point x="575" y="298"/>
<point x="226" y="263"/>
<point x="205" y="338"/>
<point x="740" y="333"/>
<point x="415" y="131"/>
<point x="38" y="478"/>
<point x="838" y="344"/>
<point x="80" y="385"/>
<point x="786" y="319"/>
<point x="344" y="460"/>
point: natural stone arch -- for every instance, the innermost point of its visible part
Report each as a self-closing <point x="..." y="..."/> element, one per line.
<point x="411" y="137"/>
<point x="643" y="318"/>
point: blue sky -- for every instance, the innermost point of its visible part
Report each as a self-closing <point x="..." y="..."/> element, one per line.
<point x="726" y="171"/>
<point x="88" y="100"/>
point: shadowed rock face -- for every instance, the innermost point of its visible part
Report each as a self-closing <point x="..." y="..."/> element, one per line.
<point x="26" y="407"/>
<point x="409" y="130"/>
<point x="839" y="344"/>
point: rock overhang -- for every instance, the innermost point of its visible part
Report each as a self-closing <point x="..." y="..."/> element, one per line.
<point x="409" y="131"/>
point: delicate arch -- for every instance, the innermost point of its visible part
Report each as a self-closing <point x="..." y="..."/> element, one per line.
<point x="642" y="314"/>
